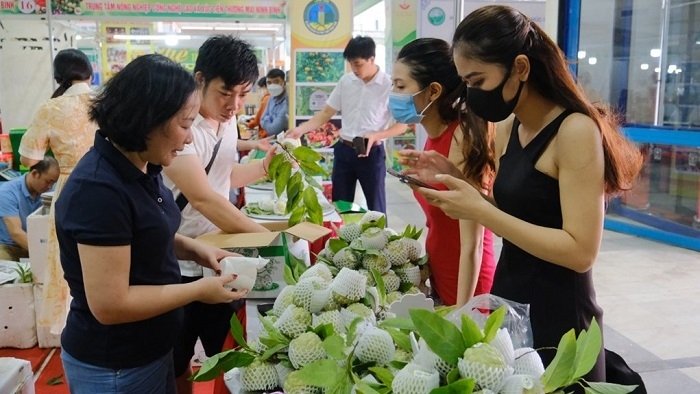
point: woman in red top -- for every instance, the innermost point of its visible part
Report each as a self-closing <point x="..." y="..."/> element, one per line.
<point x="460" y="251"/>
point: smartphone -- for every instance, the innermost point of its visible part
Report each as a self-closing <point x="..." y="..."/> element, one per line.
<point x="409" y="180"/>
<point x="360" y="145"/>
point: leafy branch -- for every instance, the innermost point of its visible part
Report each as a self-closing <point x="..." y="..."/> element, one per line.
<point x="292" y="172"/>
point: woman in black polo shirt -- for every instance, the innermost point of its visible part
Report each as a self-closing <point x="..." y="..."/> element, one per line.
<point x="116" y="225"/>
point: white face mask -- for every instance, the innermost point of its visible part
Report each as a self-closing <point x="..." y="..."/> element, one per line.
<point x="275" y="89"/>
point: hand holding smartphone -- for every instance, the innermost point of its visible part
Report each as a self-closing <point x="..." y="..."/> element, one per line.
<point x="360" y="145"/>
<point x="409" y="180"/>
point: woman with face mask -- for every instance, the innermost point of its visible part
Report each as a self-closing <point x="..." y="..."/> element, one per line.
<point x="557" y="160"/>
<point x="425" y="85"/>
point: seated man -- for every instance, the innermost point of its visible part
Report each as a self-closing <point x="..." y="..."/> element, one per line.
<point x="19" y="198"/>
<point x="276" y="117"/>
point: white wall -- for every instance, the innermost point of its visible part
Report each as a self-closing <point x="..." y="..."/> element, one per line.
<point x="26" y="79"/>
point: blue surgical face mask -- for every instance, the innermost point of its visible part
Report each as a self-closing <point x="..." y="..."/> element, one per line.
<point x="403" y="108"/>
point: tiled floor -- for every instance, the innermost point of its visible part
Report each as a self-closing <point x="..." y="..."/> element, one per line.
<point x="650" y="293"/>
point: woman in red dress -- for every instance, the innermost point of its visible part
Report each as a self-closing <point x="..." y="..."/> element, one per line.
<point x="426" y="85"/>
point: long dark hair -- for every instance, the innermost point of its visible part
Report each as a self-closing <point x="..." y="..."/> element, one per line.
<point x="497" y="34"/>
<point x="430" y="60"/>
<point x="68" y="66"/>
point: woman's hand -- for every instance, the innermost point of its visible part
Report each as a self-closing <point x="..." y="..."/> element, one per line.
<point x="461" y="201"/>
<point x="212" y="290"/>
<point x="269" y="155"/>
<point x="426" y="165"/>
<point x="201" y="253"/>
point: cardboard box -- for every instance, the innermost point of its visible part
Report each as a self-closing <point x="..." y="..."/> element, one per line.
<point x="16" y="376"/>
<point x="277" y="245"/>
<point x="17" y="321"/>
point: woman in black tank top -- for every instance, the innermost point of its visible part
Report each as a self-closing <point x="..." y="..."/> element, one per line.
<point x="558" y="159"/>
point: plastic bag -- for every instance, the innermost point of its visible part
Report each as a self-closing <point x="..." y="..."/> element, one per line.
<point x="516" y="321"/>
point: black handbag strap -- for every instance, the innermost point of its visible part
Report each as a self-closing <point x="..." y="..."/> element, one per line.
<point x="181" y="200"/>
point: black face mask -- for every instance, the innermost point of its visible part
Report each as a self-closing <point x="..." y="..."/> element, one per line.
<point x="489" y="104"/>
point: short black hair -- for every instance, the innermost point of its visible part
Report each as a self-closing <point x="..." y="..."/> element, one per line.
<point x="360" y="47"/>
<point x="276" y="73"/>
<point x="44" y="165"/>
<point x="262" y="82"/>
<point x="70" y="65"/>
<point x="228" y="58"/>
<point x="141" y="97"/>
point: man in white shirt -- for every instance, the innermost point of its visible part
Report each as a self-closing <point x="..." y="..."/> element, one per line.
<point x="225" y="70"/>
<point x="362" y="97"/>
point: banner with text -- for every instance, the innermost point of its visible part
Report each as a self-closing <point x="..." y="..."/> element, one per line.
<point x="320" y="30"/>
<point x="215" y="9"/>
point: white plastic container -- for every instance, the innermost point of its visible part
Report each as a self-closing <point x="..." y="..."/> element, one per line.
<point x="17" y="321"/>
<point x="16" y="376"/>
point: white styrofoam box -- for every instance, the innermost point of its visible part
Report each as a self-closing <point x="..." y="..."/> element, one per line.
<point x="17" y="320"/>
<point x="37" y="238"/>
<point x="16" y="376"/>
<point x="44" y="335"/>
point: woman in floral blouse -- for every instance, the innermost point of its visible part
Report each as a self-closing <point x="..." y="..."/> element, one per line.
<point x="62" y="126"/>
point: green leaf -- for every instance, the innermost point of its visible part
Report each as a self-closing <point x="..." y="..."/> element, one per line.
<point x="462" y="386"/>
<point x="272" y="332"/>
<point x="274" y="164"/>
<point x="336" y="244"/>
<point x="352" y="331"/>
<point x="306" y="154"/>
<point x="471" y="333"/>
<point x="271" y="351"/>
<point x="397" y="365"/>
<point x="297" y="215"/>
<point x="364" y="387"/>
<point x="383" y="375"/>
<point x="313" y="206"/>
<point x="312" y="168"/>
<point x="55" y="381"/>
<point x="493" y="323"/>
<point x="588" y="347"/>
<point x="401" y="323"/>
<point x="442" y="337"/>
<point x="422" y="261"/>
<point x="294" y="191"/>
<point x="400" y="338"/>
<point x="334" y="345"/>
<point x="322" y="373"/>
<point x="608" y="388"/>
<point x="324" y="330"/>
<point x="559" y="371"/>
<point x="288" y="275"/>
<point x="379" y="284"/>
<point x="312" y="182"/>
<point x="282" y="175"/>
<point x="237" y="332"/>
<point x="220" y="363"/>
<point x="453" y="375"/>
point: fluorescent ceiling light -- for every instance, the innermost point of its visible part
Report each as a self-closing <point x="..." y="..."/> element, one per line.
<point x="225" y="28"/>
<point x="196" y="28"/>
<point x="672" y="68"/>
<point x="592" y="60"/>
<point x="151" y="37"/>
<point x="657" y="69"/>
<point x="644" y="66"/>
<point x="656" y="52"/>
<point x="581" y="54"/>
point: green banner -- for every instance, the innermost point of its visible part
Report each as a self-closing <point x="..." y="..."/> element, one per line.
<point x="216" y="9"/>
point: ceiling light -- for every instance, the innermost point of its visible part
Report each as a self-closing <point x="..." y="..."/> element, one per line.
<point x="657" y="69"/>
<point x="592" y="60"/>
<point x="78" y="37"/>
<point x="672" y="68"/>
<point x="644" y="66"/>
<point x="196" y="28"/>
<point x="656" y="52"/>
<point x="150" y="37"/>
<point x="581" y="54"/>
<point x="225" y="28"/>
